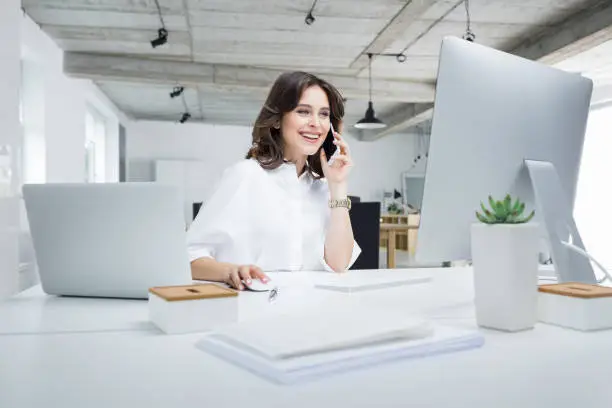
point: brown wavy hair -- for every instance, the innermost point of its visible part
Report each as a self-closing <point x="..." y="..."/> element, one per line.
<point x="268" y="146"/>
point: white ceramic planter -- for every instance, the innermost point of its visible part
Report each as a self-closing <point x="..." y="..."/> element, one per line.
<point x="505" y="263"/>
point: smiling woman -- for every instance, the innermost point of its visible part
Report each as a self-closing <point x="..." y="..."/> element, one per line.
<point x="284" y="207"/>
<point x="303" y="106"/>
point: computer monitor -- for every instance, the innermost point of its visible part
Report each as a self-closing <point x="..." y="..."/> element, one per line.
<point x="494" y="113"/>
<point x="107" y="239"/>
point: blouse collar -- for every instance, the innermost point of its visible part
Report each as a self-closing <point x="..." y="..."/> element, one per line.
<point x="289" y="169"/>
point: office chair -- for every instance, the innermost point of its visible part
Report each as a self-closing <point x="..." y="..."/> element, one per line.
<point x="195" y="209"/>
<point x="365" y="220"/>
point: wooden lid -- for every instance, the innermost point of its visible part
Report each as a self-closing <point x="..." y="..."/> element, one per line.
<point x="192" y="292"/>
<point x="576" y="289"/>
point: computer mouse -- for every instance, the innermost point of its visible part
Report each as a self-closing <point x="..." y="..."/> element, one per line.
<point x="258" y="286"/>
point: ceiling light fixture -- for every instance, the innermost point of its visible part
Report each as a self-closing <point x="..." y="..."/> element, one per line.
<point x="162" y="33"/>
<point x="177" y="91"/>
<point x="469" y="35"/>
<point x="370" y="121"/>
<point x="186" y="115"/>
<point x="309" y="17"/>
<point x="162" y="38"/>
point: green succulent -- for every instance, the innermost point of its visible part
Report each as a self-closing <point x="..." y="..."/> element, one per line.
<point x="504" y="212"/>
<point x="394" y="208"/>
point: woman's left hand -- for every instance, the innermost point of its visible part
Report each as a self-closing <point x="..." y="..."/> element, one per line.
<point x="337" y="172"/>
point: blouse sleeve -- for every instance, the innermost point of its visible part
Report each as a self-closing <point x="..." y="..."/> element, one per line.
<point x="354" y="255"/>
<point x="215" y="225"/>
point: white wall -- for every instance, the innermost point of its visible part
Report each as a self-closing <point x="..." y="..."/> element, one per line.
<point x="378" y="164"/>
<point x="217" y="146"/>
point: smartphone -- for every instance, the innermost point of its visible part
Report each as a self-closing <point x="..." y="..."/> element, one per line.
<point x="329" y="147"/>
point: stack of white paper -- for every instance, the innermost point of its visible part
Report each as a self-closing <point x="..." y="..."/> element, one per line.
<point x="298" y="347"/>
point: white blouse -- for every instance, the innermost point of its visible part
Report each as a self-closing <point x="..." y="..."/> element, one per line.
<point x="268" y="218"/>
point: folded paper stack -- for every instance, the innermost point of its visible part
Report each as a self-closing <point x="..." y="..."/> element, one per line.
<point x="310" y="344"/>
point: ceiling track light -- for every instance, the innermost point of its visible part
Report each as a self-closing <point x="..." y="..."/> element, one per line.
<point x="469" y="36"/>
<point x="177" y="91"/>
<point x="162" y="33"/>
<point x="162" y="38"/>
<point x="185" y="117"/>
<point x="400" y="57"/>
<point x="309" y="17"/>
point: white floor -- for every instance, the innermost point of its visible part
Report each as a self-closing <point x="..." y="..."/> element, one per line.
<point x="402" y="259"/>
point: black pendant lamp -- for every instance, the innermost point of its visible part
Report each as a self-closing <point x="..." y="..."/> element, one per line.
<point x="370" y="121"/>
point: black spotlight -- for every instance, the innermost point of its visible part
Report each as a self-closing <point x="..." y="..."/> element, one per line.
<point x="309" y="18"/>
<point x="401" y="57"/>
<point x="162" y="38"/>
<point x="186" y="116"/>
<point x="177" y="91"/>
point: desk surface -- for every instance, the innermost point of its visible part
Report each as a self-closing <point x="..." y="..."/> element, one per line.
<point x="136" y="365"/>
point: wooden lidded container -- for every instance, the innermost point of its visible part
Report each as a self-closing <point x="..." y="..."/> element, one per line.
<point x="575" y="305"/>
<point x="192" y="308"/>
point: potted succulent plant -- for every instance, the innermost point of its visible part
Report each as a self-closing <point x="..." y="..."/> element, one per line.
<point x="505" y="262"/>
<point x="395" y="208"/>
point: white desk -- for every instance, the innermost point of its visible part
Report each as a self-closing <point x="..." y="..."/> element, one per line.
<point x="139" y="366"/>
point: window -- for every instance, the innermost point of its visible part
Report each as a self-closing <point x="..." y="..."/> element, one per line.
<point x="594" y="190"/>
<point x="32" y="116"/>
<point x="95" y="144"/>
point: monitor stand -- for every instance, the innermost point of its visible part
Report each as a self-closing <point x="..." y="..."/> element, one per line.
<point x="570" y="259"/>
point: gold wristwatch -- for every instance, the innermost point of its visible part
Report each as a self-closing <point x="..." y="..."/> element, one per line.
<point x="346" y="203"/>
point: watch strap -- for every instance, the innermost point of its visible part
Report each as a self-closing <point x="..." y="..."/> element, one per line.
<point x="345" y="202"/>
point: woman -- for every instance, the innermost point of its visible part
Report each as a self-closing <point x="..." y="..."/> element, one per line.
<point x="284" y="207"/>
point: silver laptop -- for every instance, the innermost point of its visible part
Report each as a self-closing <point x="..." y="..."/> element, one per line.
<point x="107" y="240"/>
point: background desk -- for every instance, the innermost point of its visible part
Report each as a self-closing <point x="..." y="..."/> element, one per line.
<point x="389" y="232"/>
<point x="403" y="241"/>
<point x="139" y="366"/>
